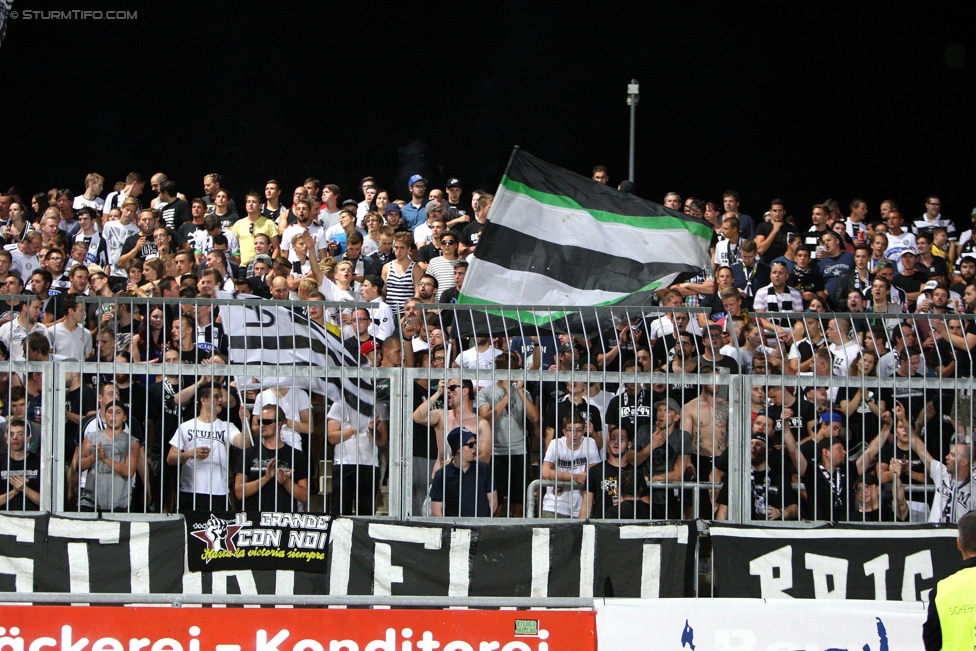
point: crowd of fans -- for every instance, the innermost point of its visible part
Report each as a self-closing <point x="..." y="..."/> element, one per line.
<point x="833" y="303"/>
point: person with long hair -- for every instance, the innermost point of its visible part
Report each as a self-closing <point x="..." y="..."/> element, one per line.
<point x="862" y="403"/>
<point x="401" y="274"/>
<point x="373" y="222"/>
<point x="149" y="344"/>
<point x="17" y="225"/>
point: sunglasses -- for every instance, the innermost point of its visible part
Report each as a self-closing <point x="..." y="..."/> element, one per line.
<point x="268" y="421"/>
<point x="448" y="242"/>
<point x="471" y="445"/>
<point x="453" y="387"/>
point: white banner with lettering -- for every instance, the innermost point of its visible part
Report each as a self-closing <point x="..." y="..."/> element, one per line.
<point x="758" y="625"/>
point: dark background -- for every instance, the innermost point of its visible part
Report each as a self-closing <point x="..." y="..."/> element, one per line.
<point x="804" y="103"/>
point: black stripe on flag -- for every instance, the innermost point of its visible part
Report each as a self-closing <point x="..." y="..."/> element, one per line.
<point x="578" y="267"/>
<point x="551" y="179"/>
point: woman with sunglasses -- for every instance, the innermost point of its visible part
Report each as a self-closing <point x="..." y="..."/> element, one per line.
<point x="442" y="267"/>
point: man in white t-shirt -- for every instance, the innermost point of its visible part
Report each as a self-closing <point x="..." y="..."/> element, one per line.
<point x="201" y="449"/>
<point x="23" y="255"/>
<point x="303" y="213"/>
<point x="568" y="458"/>
<point x="953" y="481"/>
<point x="68" y="336"/>
<point x="357" y="437"/>
<point x="844" y="350"/>
<point x="481" y="356"/>
<point x="94" y="183"/>
<point x="297" y="406"/>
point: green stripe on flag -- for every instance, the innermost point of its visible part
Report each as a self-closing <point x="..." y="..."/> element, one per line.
<point x="655" y="222"/>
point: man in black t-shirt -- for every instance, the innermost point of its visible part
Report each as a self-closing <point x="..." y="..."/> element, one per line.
<point x="20" y="483"/>
<point x="275" y="475"/>
<point x="602" y="480"/>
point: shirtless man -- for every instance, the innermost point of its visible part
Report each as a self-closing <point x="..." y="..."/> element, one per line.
<point x="459" y="413"/>
<point x="707" y="418"/>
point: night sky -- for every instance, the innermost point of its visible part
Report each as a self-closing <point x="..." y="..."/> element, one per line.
<point x="768" y="98"/>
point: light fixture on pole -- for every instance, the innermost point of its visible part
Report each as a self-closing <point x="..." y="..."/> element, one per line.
<point x="633" y="96"/>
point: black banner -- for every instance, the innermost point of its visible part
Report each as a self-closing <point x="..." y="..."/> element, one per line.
<point x="570" y="559"/>
<point x="42" y="553"/>
<point x="881" y="563"/>
<point x="220" y="541"/>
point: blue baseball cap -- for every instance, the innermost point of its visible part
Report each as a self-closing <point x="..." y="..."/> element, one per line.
<point x="414" y="179"/>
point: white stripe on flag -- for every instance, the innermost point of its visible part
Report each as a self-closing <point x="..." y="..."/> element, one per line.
<point x="574" y="227"/>
<point x="508" y="287"/>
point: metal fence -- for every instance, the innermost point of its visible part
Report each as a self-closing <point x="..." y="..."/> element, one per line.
<point x="615" y="413"/>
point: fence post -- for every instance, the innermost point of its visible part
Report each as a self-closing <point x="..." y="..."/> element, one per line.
<point x="400" y="474"/>
<point x="740" y="461"/>
<point x="53" y="463"/>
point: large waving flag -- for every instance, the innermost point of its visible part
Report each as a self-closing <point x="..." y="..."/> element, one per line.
<point x="557" y="238"/>
<point x="276" y="335"/>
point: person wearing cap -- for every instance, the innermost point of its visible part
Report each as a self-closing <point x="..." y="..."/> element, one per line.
<point x="664" y="455"/>
<point x="825" y="494"/>
<point x="456" y="216"/>
<point x="772" y="494"/>
<point x="899" y="238"/>
<point x="414" y="213"/>
<point x="870" y="505"/>
<point x="261" y="269"/>
<point x="910" y="280"/>
<point x="464" y="487"/>
<point x="394" y="218"/>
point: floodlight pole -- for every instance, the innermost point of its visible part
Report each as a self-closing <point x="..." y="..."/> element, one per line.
<point x="633" y="96"/>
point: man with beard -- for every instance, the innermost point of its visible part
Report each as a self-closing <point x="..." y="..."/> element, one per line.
<point x="773" y="495"/>
<point x="664" y="454"/>
<point x="825" y="482"/>
<point x="460" y="413"/>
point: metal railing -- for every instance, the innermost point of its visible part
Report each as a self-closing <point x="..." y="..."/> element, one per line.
<point x="716" y="410"/>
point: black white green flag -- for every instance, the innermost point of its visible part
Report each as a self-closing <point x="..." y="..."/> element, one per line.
<point x="555" y="238"/>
